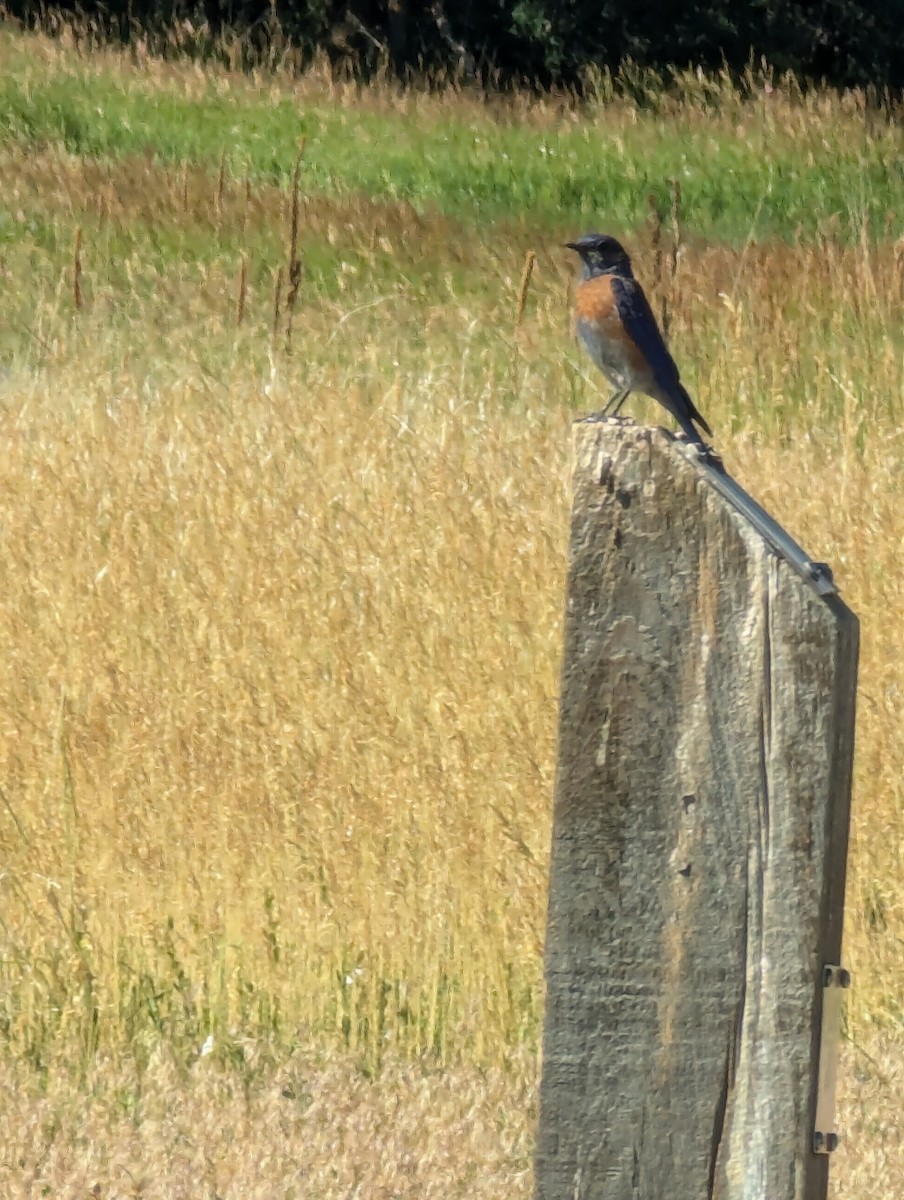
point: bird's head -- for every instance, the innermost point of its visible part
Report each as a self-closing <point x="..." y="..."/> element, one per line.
<point x="601" y="254"/>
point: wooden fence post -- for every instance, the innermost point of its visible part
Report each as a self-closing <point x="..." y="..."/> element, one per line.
<point x="699" y="840"/>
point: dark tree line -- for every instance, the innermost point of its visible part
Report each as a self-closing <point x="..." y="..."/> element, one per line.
<point x="540" y="42"/>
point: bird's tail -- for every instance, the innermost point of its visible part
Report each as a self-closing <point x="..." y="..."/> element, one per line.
<point x="693" y="412"/>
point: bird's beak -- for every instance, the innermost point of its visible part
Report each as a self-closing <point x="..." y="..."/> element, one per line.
<point x="571" y="246"/>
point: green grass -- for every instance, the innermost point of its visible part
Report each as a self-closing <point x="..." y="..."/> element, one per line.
<point x="779" y="175"/>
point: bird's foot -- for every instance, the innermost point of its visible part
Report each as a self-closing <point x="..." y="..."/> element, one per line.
<point x="603" y="415"/>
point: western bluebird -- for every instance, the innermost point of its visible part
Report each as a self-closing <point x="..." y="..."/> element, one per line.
<point x="614" y="321"/>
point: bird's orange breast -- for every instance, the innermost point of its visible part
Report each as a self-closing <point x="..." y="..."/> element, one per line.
<point x="595" y="302"/>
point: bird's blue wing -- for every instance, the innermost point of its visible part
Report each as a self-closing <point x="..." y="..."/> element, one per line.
<point x="640" y="325"/>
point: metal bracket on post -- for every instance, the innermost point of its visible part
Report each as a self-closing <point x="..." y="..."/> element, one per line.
<point x="835" y="980"/>
<point x="817" y="573"/>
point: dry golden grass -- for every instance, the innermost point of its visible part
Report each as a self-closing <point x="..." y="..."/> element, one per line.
<point x="279" y="720"/>
<point x="219" y="716"/>
<point x="317" y="1129"/>
<point x="282" y="634"/>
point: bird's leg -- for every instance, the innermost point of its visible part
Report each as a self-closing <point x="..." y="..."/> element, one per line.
<point x="610" y="409"/>
<point x="616" y="400"/>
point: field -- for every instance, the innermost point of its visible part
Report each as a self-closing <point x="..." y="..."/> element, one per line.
<point x="284" y="509"/>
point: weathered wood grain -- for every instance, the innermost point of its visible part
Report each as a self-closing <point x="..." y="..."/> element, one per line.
<point x="699" y="843"/>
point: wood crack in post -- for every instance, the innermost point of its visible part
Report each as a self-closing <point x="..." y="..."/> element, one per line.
<point x="719" y="1121"/>
<point x="765" y="708"/>
<point x="638" y="1155"/>
<point x="725" y="1101"/>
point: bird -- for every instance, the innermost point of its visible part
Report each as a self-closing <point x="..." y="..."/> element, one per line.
<point x="615" y="323"/>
